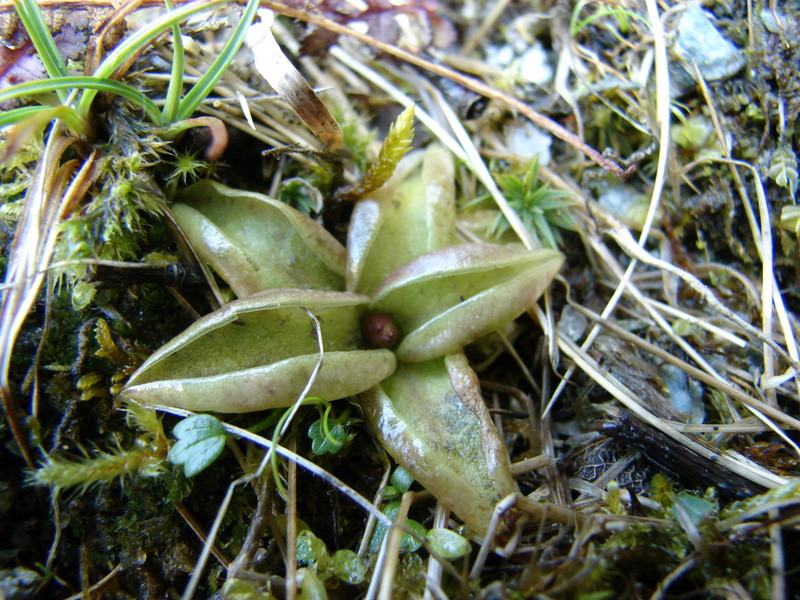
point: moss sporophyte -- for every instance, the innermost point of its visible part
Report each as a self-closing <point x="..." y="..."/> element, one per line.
<point x="403" y="281"/>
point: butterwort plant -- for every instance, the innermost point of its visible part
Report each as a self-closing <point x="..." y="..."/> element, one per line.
<point x="395" y="308"/>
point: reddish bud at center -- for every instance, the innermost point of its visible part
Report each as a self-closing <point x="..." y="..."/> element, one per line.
<point x="379" y="330"/>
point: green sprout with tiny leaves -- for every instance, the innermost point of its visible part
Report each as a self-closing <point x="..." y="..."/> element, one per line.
<point x="542" y="209"/>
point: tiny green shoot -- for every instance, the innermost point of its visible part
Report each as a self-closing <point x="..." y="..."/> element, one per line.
<point x="541" y="209"/>
<point x="329" y="435"/>
<point x="408" y="543"/>
<point x="395" y="146"/>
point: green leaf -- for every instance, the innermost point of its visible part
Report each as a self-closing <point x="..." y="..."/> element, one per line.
<point x="539" y="207"/>
<point x="310" y="549"/>
<point x="448" y="298"/>
<point x="175" y="85"/>
<point x="74" y="82"/>
<point x="39" y="116"/>
<point x="389" y="492"/>
<point x="401" y="480"/>
<point x="430" y="417"/>
<point x="697" y="508"/>
<point x="413" y="213"/>
<point x="790" y="218"/>
<point x="259" y="352"/>
<point x="322" y="443"/>
<point x="201" y="439"/>
<point x="209" y="79"/>
<point x="83" y="293"/>
<point x="407" y="542"/>
<point x="448" y="544"/>
<point x="15" y="115"/>
<point x="33" y="21"/>
<point x="256" y="243"/>
<point x="348" y="567"/>
<point x="138" y="39"/>
<point x="310" y="586"/>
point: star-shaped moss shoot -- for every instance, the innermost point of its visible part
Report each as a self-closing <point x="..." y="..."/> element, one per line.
<point x="396" y="307"/>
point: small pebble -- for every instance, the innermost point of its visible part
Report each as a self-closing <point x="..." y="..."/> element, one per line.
<point x="699" y="41"/>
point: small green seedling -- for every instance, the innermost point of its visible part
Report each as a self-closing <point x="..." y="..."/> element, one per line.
<point x="201" y="439"/>
<point x="329" y="435"/>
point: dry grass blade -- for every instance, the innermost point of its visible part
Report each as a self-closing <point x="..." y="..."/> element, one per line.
<point x="51" y="196"/>
<point x="273" y="65"/>
<point x="748" y="470"/>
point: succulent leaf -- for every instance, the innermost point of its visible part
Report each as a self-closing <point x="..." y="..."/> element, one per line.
<point x="431" y="418"/>
<point x="448" y="298"/>
<point x="259" y="352"/>
<point x="413" y="213"/>
<point x="255" y="243"/>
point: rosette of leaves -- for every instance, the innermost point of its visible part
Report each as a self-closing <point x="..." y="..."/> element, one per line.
<point x="404" y="266"/>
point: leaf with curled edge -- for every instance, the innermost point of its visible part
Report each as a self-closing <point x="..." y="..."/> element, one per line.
<point x="412" y="213"/>
<point x="257" y="243"/>
<point x="259" y="352"/>
<point x="448" y="298"/>
<point x="431" y="418"/>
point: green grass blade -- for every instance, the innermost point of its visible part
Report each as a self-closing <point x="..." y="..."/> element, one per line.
<point x="138" y="39"/>
<point x="45" y="113"/>
<point x="10" y="117"/>
<point x="43" y="41"/>
<point x="175" y="86"/>
<point x="94" y="84"/>
<point x="203" y="87"/>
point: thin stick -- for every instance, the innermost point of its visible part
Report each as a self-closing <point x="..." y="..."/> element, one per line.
<point x="721" y="384"/>
<point x="291" y="530"/>
<point x="777" y="560"/>
<point x="753" y="472"/>
<point x="97" y="587"/>
<point x="487" y="24"/>
<point x="198" y="531"/>
<point x="392" y="541"/>
<point x="433" y="580"/>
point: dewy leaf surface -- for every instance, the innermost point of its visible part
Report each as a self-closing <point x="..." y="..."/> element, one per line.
<point x="259" y="352"/>
<point x="257" y="243"/>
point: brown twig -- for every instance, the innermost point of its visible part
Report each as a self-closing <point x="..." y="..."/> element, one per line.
<point x="220" y="555"/>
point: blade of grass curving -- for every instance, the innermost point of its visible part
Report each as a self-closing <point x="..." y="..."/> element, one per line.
<point x="43" y="41"/>
<point x="30" y="122"/>
<point x="175" y="86"/>
<point x="94" y="84"/>
<point x="203" y="87"/>
<point x="14" y="116"/>
<point x="138" y="39"/>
